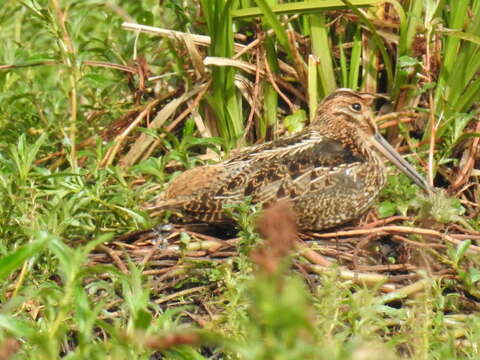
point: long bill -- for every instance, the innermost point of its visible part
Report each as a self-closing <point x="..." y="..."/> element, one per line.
<point x="391" y="154"/>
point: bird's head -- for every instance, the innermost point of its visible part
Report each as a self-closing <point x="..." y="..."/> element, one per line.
<point x="348" y="116"/>
<point x="345" y="109"/>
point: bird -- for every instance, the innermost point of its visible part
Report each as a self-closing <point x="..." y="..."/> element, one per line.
<point x="330" y="172"/>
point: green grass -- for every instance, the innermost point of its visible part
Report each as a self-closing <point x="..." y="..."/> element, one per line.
<point x="71" y="181"/>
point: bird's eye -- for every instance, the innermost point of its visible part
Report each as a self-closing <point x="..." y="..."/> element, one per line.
<point x="356" y="106"/>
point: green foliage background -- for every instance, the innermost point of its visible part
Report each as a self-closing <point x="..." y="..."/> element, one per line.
<point x="58" y="88"/>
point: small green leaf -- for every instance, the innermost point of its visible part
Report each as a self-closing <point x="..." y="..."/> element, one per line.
<point x="189" y="127"/>
<point x="474" y="275"/>
<point x="406" y="61"/>
<point x="387" y="208"/>
<point x="296" y="121"/>
<point x="428" y="86"/>
<point x="143" y="319"/>
<point x="151" y="132"/>
<point x="98" y="80"/>
<point x="138" y="216"/>
<point x="461" y="250"/>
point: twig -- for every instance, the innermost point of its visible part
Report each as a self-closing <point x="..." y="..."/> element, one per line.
<point x="385" y="221"/>
<point x="255" y="95"/>
<point x="211" y="240"/>
<point x="465" y="230"/>
<point x="108" y="65"/>
<point x="312" y="255"/>
<point x="406" y="291"/>
<point x="298" y="62"/>
<point x="305" y="275"/>
<point x="277" y="89"/>
<point x="251" y="69"/>
<point x="141" y="144"/>
<point x="85" y="62"/>
<point x="366" y="279"/>
<point x="202" y="40"/>
<point x="36" y="63"/>
<point x="395" y="229"/>
<point x="416" y="243"/>
<point x="166" y="273"/>
<point x="389" y="267"/>
<point x="116" y="259"/>
<point x="467" y="169"/>
<point x="183" y="293"/>
<point x="108" y="159"/>
<point x="394" y="123"/>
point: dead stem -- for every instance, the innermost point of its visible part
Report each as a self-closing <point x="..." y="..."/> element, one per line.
<point x="312" y="255"/>
<point x="406" y="291"/>
<point x="111" y="153"/>
<point x="395" y="229"/>
<point x="467" y="169"/>
<point x="116" y="259"/>
<point x="255" y="95"/>
<point x="183" y="293"/>
<point x="277" y="89"/>
<point x="365" y="279"/>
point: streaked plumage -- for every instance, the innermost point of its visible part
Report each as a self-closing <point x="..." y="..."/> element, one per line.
<point x="329" y="171"/>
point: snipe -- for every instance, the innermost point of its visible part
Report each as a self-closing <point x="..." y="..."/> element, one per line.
<point x="331" y="172"/>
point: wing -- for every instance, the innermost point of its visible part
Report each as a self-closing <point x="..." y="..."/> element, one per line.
<point x="286" y="168"/>
<point x="307" y="148"/>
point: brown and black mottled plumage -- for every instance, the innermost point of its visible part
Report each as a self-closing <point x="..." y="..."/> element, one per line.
<point x="330" y="171"/>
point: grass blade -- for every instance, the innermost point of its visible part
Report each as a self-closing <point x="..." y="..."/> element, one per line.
<point x="303" y="7"/>
<point x="271" y="19"/>
<point x="377" y="41"/>
<point x="312" y="87"/>
<point x="355" y="60"/>
<point x="14" y="260"/>
<point x="321" y="49"/>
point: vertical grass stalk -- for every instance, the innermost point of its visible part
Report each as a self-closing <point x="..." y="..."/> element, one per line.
<point x="321" y="49"/>
<point x="223" y="97"/>
<point x="70" y="60"/>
